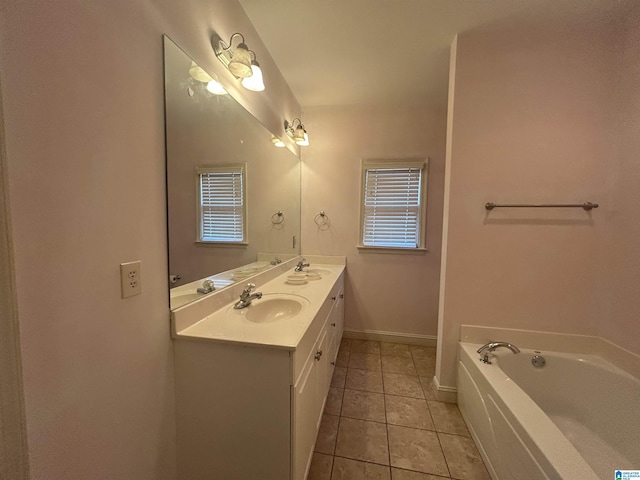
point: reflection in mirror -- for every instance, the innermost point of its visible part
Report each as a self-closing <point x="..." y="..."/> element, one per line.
<point x="233" y="198"/>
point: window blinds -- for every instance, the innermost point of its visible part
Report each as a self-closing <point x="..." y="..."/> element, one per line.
<point x="392" y="203"/>
<point x="222" y="205"/>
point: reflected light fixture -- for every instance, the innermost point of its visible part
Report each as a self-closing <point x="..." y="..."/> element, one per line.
<point x="213" y="86"/>
<point x="239" y="61"/>
<point x="299" y="134"/>
<point x="277" y="142"/>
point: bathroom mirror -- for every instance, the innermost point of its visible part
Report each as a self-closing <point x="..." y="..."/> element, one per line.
<point x="213" y="132"/>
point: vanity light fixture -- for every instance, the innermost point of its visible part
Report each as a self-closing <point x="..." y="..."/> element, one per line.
<point x="213" y="86"/>
<point x="239" y="61"/>
<point x="277" y="142"/>
<point x="299" y="134"/>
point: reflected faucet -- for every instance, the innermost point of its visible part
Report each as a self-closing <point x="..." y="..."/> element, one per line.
<point x="276" y="261"/>
<point x="207" y="287"/>
<point x="485" y="350"/>
<point x="301" y="265"/>
<point x="246" y="297"/>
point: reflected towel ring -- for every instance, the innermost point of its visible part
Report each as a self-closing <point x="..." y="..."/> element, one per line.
<point x="321" y="219"/>
<point x="277" y="218"/>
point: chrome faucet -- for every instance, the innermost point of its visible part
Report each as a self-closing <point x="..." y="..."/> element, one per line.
<point x="301" y="265"/>
<point x="246" y="297"/>
<point x="485" y="350"/>
<point x="207" y="287"/>
<point x="276" y="261"/>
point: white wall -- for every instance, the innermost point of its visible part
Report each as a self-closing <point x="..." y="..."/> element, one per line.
<point x="384" y="292"/>
<point x="530" y="123"/>
<point x="83" y="104"/>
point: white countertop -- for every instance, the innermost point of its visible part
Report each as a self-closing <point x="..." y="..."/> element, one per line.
<point x="226" y="324"/>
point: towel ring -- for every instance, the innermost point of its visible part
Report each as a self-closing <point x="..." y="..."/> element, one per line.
<point x="321" y="219"/>
<point x="277" y="218"/>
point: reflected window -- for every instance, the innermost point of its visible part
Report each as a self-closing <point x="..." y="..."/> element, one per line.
<point x="222" y="208"/>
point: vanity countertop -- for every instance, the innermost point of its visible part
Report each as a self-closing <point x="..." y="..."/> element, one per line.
<point x="224" y="324"/>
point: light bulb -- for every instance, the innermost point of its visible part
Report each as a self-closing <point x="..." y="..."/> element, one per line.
<point x="254" y="82"/>
<point x="215" y="88"/>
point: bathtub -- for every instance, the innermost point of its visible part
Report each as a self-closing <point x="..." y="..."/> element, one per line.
<point x="576" y="418"/>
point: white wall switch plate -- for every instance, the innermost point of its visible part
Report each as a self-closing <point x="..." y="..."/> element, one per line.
<point x="130" y="279"/>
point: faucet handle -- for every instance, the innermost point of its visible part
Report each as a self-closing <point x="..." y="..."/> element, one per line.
<point x="249" y="288"/>
<point x="208" y="284"/>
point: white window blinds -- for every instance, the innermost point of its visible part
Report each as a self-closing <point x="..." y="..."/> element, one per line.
<point x="221" y="204"/>
<point x="392" y="204"/>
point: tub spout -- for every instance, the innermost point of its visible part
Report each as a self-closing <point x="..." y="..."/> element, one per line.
<point x="485" y="350"/>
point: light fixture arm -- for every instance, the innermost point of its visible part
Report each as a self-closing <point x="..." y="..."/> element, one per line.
<point x="291" y="127"/>
<point x="225" y="47"/>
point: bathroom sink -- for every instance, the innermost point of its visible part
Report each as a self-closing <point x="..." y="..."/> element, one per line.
<point x="274" y="308"/>
<point x="318" y="271"/>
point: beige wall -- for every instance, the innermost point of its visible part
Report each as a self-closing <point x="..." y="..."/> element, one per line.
<point x="384" y="292"/>
<point x="531" y="122"/>
<point x="621" y="324"/>
<point x="83" y="103"/>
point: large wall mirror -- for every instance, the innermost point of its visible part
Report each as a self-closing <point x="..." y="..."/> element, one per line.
<point x="233" y="197"/>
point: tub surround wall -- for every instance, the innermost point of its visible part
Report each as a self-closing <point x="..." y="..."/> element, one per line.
<point x="530" y="122"/>
<point x="386" y="294"/>
<point x="82" y="94"/>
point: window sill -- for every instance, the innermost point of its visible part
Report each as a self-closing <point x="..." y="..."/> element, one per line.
<point x="200" y="243"/>
<point x="393" y="250"/>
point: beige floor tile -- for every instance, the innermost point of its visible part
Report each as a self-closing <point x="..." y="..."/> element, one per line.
<point x="363" y="440"/>
<point x="326" y="441"/>
<point x="425" y="366"/>
<point x="366" y="380"/>
<point x="339" y="377"/>
<point x="365" y="361"/>
<point x="418" y="450"/>
<point x="463" y="458"/>
<point x="334" y="401"/>
<point x="363" y="405"/>
<point x="404" y="385"/>
<point x="402" y="365"/>
<point x="343" y="358"/>
<point x="447" y="418"/>
<point x="397" y="349"/>
<point x="365" y="346"/>
<point x="345" y="344"/>
<point x="320" y="467"/>
<point x="422" y="351"/>
<point x="427" y="388"/>
<point x="347" y="469"/>
<point x="397" y="474"/>
<point x="408" y="412"/>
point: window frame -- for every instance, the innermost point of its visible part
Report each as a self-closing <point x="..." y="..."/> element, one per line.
<point x="395" y="163"/>
<point x="221" y="168"/>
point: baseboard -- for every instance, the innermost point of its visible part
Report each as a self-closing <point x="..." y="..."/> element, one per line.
<point x="392" y="337"/>
<point x="444" y="393"/>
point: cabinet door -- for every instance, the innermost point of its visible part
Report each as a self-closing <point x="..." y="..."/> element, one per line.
<point x="308" y="401"/>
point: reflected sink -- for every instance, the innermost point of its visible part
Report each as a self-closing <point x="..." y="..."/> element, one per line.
<point x="274" y="307"/>
<point x="177" y="300"/>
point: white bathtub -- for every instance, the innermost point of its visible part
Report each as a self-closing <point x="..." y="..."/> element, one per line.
<point x="577" y="418"/>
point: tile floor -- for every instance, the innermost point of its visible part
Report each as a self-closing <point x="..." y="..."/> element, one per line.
<point x="382" y="422"/>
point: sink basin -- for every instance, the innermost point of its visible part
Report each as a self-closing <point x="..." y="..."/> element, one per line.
<point x="319" y="271"/>
<point x="273" y="308"/>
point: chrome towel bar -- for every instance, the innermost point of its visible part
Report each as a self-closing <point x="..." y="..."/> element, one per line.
<point x="587" y="205"/>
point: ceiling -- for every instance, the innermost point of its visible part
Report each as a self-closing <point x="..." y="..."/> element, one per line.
<point x="395" y="52"/>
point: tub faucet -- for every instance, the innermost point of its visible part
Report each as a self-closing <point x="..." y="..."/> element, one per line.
<point x="207" y="287"/>
<point x="246" y="297"/>
<point x="485" y="350"/>
<point x="301" y="265"/>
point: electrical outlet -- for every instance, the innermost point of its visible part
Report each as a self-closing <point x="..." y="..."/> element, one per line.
<point x="130" y="279"/>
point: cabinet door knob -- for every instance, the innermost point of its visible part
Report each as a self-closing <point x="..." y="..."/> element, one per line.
<point x="342" y="295"/>
<point x="333" y="298"/>
<point x="318" y="354"/>
<point x="333" y="364"/>
<point x="333" y="324"/>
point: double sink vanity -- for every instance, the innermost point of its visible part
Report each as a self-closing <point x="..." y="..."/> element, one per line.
<point x="251" y="383"/>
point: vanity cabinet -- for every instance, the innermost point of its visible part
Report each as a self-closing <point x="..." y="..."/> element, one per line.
<point x="247" y="412"/>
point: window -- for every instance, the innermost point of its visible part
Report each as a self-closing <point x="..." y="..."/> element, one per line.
<point x="393" y="203"/>
<point x="221" y="204"/>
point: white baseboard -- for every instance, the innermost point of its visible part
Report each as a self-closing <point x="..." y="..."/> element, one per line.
<point x="392" y="337"/>
<point x="444" y="393"/>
